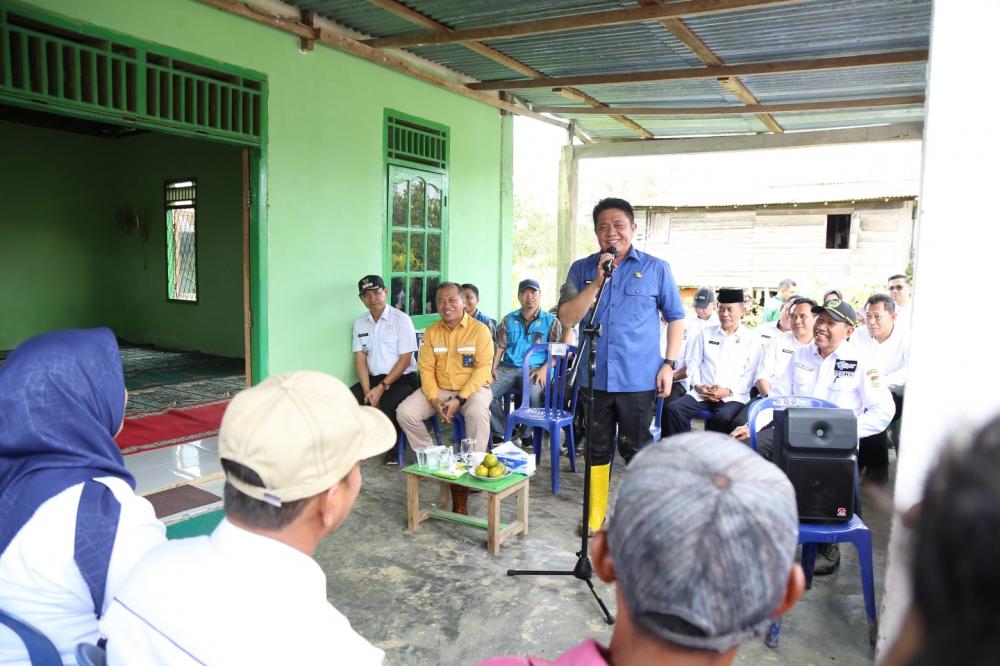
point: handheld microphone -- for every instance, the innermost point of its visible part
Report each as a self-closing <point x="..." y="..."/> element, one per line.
<point x="608" y="265"/>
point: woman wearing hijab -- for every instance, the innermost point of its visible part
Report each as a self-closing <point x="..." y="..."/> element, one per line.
<point x="71" y="525"/>
<point x="832" y="294"/>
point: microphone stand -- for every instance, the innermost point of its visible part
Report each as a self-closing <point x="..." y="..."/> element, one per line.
<point x="584" y="570"/>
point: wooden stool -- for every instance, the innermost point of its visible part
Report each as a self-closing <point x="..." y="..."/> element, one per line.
<point x="496" y="490"/>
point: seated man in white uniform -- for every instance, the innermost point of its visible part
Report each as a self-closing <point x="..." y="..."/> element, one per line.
<point x="780" y="349"/>
<point x="704" y="315"/>
<point x="833" y="369"/>
<point x="721" y="363"/>
<point x="251" y="592"/>
<point x="886" y="346"/>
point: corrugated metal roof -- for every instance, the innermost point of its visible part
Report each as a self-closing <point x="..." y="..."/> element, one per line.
<point x="810" y="29"/>
<point x="815" y="29"/>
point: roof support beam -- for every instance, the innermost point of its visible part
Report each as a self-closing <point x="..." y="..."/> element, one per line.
<point x="733" y="85"/>
<point x="575" y="22"/>
<point x="417" y="18"/>
<point x="735" y="110"/>
<point x="736" y="143"/>
<point x="356" y="48"/>
<point x="693" y="73"/>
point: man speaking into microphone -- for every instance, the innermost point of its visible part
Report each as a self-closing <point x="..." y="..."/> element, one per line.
<point x="630" y="371"/>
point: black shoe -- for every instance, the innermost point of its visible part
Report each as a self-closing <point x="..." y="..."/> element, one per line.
<point x="827" y="559"/>
<point x="527" y="443"/>
<point x="497" y="440"/>
<point x="878" y="475"/>
<point x="391" y="459"/>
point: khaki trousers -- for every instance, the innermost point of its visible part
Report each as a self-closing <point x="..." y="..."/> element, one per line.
<point x="412" y="412"/>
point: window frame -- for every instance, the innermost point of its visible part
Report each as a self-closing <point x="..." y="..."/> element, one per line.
<point x="832" y="237"/>
<point x="439" y="177"/>
<point x="167" y="240"/>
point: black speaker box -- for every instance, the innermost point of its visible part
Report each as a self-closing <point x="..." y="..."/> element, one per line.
<point x="817" y="449"/>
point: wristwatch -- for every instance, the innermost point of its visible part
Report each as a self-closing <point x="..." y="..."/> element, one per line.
<point x="386" y="385"/>
<point x="461" y="400"/>
<point x="672" y="363"/>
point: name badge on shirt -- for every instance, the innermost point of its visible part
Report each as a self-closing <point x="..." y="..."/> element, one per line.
<point x="467" y="360"/>
<point x="845" y="368"/>
<point x="536" y="338"/>
<point x="714" y="342"/>
<point x="364" y="343"/>
<point x="788" y="351"/>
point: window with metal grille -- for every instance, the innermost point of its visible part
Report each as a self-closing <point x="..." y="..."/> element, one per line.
<point x="182" y="256"/>
<point x="417" y="213"/>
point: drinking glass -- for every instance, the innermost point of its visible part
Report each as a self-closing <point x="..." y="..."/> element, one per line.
<point x="468" y="446"/>
<point x="421" y="459"/>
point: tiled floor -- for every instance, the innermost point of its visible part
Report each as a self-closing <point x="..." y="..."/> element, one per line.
<point x="195" y="462"/>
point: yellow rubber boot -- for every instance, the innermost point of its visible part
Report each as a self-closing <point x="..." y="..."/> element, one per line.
<point x="600" y="479"/>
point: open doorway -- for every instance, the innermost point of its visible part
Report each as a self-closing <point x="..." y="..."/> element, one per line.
<point x="144" y="232"/>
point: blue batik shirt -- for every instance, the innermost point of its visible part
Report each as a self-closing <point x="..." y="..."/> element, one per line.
<point x="628" y="350"/>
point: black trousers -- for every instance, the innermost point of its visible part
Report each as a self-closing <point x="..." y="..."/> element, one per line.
<point x="873" y="451"/>
<point x="626" y="415"/>
<point x="680" y="412"/>
<point x="396" y="394"/>
<point x="677" y="392"/>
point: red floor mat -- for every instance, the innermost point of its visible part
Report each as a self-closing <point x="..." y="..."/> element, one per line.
<point x="176" y="426"/>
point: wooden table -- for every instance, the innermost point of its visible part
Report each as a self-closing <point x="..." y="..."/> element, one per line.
<point x="496" y="490"/>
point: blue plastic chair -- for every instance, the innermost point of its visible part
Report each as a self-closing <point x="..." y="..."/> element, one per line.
<point x="41" y="651"/>
<point x="90" y="655"/>
<point x="810" y="534"/>
<point x="552" y="416"/>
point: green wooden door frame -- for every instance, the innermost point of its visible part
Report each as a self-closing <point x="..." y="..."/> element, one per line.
<point x="254" y="138"/>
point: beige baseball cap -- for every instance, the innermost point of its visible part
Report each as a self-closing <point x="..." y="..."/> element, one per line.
<point x="301" y="432"/>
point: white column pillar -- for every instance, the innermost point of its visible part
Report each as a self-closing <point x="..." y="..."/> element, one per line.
<point x="954" y="368"/>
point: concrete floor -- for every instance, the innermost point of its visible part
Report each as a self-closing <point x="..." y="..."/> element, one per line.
<point x="437" y="596"/>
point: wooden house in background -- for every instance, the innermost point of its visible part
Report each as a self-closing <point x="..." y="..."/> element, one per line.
<point x="850" y="245"/>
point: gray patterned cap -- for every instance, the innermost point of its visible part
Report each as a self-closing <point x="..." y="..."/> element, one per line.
<point x="703" y="534"/>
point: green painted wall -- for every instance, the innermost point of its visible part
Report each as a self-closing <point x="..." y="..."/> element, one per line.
<point x="66" y="264"/>
<point x="142" y="312"/>
<point x="55" y="221"/>
<point x="324" y="170"/>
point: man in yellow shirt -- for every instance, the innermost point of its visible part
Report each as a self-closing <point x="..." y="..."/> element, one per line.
<point x="455" y="362"/>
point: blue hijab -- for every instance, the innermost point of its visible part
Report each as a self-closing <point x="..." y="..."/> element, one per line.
<point x="62" y="398"/>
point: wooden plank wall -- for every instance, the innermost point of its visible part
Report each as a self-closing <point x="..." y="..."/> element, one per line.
<point x="756" y="248"/>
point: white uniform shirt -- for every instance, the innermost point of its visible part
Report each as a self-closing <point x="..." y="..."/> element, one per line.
<point x="234" y="597"/>
<point x="767" y="332"/>
<point x="843" y="378"/>
<point x="692" y="327"/>
<point x="891" y="357"/>
<point x="40" y="582"/>
<point x="903" y="317"/>
<point x="726" y="360"/>
<point x="386" y="340"/>
<point x="775" y="356"/>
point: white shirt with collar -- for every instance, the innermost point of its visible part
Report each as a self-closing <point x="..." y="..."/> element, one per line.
<point x="40" y="582"/>
<point x="386" y="340"/>
<point x="843" y="378"/>
<point x="766" y="332"/>
<point x="693" y="325"/>
<point x="727" y="360"/>
<point x="234" y="597"/>
<point x="891" y="357"/>
<point x="776" y="355"/>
